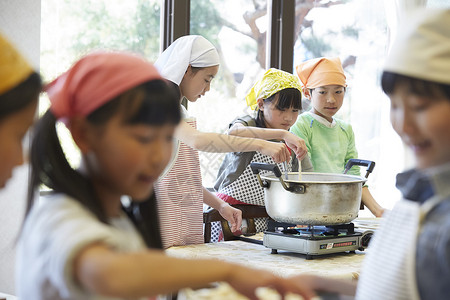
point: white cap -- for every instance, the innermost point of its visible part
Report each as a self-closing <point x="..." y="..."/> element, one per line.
<point x="422" y="46"/>
<point x="187" y="50"/>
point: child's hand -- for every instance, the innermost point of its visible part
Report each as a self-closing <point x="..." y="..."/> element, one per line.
<point x="232" y="215"/>
<point x="245" y="281"/>
<point x="297" y="145"/>
<point x="278" y="151"/>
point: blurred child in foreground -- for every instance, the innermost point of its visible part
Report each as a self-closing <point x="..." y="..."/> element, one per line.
<point x="20" y="86"/>
<point x="83" y="241"/>
<point x="409" y="255"/>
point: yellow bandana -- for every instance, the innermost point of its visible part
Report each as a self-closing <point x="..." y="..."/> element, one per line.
<point x="272" y="82"/>
<point x="13" y="67"/>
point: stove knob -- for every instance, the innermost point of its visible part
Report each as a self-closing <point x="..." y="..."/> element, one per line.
<point x="365" y="239"/>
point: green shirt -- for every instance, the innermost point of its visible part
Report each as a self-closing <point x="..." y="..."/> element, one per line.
<point x="329" y="148"/>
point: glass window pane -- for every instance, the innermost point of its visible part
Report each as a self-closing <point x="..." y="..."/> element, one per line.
<point x="70" y="29"/>
<point x="238" y="30"/>
<point x="438" y="3"/>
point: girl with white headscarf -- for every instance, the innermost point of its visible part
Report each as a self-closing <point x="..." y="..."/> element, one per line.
<point x="191" y="62"/>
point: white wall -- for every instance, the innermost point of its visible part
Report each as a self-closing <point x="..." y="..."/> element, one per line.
<point x="20" y="21"/>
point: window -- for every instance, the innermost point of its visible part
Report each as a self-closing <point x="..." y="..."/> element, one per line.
<point x="238" y="30"/>
<point x="71" y="29"/>
<point x="354" y="30"/>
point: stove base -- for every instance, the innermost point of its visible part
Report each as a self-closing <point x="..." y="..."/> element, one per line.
<point x="312" y="246"/>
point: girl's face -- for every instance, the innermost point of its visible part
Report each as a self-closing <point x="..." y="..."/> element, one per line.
<point x="124" y="159"/>
<point x="12" y="130"/>
<point x="196" y="83"/>
<point x="275" y="118"/>
<point x="326" y="100"/>
<point x="423" y="124"/>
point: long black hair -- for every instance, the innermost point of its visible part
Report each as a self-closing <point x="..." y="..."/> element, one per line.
<point x="151" y="103"/>
<point x="284" y="99"/>
<point x="420" y="87"/>
<point x="21" y="95"/>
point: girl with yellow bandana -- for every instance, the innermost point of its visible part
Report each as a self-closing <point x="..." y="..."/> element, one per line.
<point x="277" y="100"/>
<point x="19" y="90"/>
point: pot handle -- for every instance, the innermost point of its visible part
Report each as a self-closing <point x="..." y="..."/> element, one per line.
<point x="256" y="166"/>
<point x="360" y="162"/>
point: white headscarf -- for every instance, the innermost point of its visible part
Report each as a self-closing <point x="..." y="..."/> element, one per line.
<point x="422" y="46"/>
<point x="192" y="50"/>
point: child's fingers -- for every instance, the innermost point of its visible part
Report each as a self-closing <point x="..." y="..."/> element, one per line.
<point x="301" y="155"/>
<point x="281" y="155"/>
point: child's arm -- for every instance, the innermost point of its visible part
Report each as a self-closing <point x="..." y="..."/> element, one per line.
<point x="294" y="142"/>
<point x="105" y="272"/>
<point x="366" y="197"/>
<point x="371" y="203"/>
<point x="216" y="142"/>
<point x="229" y="213"/>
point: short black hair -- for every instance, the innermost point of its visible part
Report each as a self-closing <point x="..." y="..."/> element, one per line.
<point x="284" y="99"/>
<point x="420" y="87"/>
<point x="21" y="95"/>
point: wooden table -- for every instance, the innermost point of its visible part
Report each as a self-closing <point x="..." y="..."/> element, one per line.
<point x="339" y="265"/>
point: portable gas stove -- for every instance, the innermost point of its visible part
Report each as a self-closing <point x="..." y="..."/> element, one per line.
<point x="315" y="240"/>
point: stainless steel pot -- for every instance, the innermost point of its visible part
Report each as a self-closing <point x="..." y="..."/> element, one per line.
<point x="316" y="199"/>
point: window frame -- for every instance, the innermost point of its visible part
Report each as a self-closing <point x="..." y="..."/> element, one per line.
<point x="175" y="21"/>
<point x="280" y="35"/>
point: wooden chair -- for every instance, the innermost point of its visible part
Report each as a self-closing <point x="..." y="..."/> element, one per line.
<point x="249" y="212"/>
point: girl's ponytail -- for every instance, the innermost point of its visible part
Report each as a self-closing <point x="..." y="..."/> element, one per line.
<point x="145" y="217"/>
<point x="50" y="167"/>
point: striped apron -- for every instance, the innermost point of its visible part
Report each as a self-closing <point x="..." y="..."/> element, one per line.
<point x="179" y="193"/>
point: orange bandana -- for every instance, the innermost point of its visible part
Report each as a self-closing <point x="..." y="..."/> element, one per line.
<point x="321" y="71"/>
